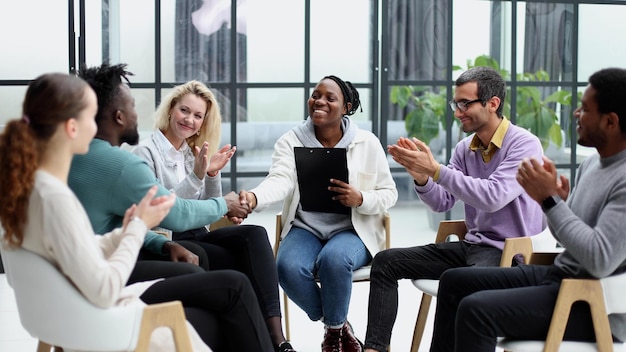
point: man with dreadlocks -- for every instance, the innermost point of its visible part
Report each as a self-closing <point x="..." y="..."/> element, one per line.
<point x="481" y="173"/>
<point x="107" y="180"/>
<point x="324" y="245"/>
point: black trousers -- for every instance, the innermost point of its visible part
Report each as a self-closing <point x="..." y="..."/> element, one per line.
<point x="244" y="248"/>
<point x="477" y="305"/>
<point x="421" y="262"/>
<point x="152" y="266"/>
<point x="220" y="305"/>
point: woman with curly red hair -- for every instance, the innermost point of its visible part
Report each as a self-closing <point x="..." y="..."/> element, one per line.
<point x="41" y="214"/>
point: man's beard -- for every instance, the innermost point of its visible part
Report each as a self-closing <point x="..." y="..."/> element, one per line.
<point x="130" y="137"/>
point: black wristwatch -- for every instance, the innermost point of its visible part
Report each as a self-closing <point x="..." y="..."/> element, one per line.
<point x="549" y="203"/>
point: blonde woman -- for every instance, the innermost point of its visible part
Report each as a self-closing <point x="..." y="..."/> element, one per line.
<point x="184" y="156"/>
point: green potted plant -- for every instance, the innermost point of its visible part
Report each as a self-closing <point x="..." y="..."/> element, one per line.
<point x="533" y="112"/>
<point x="426" y="113"/>
<point x="427" y="107"/>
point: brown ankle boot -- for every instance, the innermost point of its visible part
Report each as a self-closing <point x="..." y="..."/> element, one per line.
<point x="332" y="340"/>
<point x="349" y="342"/>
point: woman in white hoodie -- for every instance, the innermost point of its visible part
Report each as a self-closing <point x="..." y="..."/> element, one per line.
<point x="329" y="245"/>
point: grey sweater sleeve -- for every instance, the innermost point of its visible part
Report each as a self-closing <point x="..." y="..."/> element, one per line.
<point x="591" y="229"/>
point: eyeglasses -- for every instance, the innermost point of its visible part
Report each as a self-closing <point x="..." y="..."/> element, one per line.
<point x="462" y="105"/>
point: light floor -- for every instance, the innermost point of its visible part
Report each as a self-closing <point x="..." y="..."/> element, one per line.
<point x="409" y="227"/>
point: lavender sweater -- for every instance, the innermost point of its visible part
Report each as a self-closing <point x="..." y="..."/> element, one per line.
<point x="496" y="206"/>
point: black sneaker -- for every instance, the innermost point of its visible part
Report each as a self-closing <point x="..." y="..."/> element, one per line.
<point x="285" y="346"/>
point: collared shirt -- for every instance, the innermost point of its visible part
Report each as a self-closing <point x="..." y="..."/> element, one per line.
<point x="494" y="144"/>
<point x="178" y="156"/>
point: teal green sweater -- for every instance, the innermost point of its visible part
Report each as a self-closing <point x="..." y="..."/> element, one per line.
<point x="108" y="180"/>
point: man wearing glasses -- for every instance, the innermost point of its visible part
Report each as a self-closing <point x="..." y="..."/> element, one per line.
<point x="481" y="173"/>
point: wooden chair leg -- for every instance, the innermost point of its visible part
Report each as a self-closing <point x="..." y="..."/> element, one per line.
<point x="420" y="323"/>
<point x="43" y="347"/>
<point x="286" y="309"/>
<point x="570" y="292"/>
<point x="171" y="315"/>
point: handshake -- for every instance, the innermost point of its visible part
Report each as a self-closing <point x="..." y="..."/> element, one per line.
<point x="239" y="205"/>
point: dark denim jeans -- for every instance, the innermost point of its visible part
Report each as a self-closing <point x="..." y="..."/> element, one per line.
<point x="422" y="262"/>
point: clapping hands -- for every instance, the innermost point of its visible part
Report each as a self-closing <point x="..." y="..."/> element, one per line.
<point x="203" y="166"/>
<point x="220" y="159"/>
<point x="540" y="180"/>
<point x="151" y="210"/>
<point x="416" y="158"/>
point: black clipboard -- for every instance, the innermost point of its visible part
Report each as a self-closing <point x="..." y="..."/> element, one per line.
<point x="315" y="167"/>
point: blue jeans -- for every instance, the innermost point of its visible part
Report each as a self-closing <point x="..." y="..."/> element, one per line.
<point x="302" y="257"/>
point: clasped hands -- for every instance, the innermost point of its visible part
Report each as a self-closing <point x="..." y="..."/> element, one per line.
<point x="238" y="207"/>
<point x="347" y="195"/>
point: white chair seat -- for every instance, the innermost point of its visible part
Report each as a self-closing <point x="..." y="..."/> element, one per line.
<point x="362" y="273"/>
<point x="427" y="286"/>
<point x="537" y="346"/>
<point x="42" y="294"/>
<point x="52" y="310"/>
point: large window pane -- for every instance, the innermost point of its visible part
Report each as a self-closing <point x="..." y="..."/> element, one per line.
<point x="417" y="32"/>
<point x="341" y="42"/>
<point x="131" y="37"/>
<point x="275" y="104"/>
<point x="96" y="30"/>
<point x="270" y="113"/>
<point x="481" y="28"/>
<point x="145" y="106"/>
<point x="34" y="38"/>
<point x="168" y="40"/>
<point x="11" y="99"/>
<point x="255" y="143"/>
<point x="545" y="40"/>
<point x="275" y="41"/>
<point x="601" y="29"/>
<point x="202" y="40"/>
